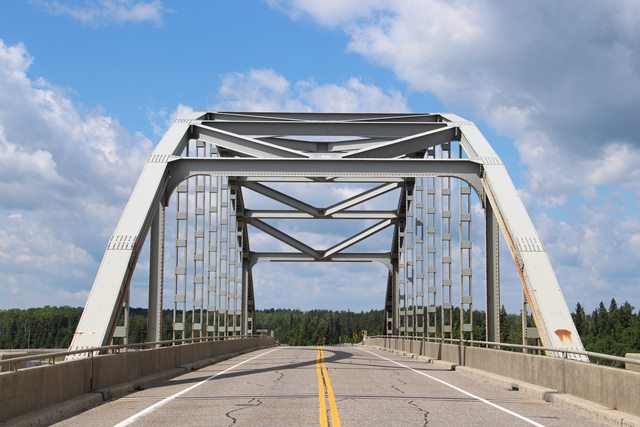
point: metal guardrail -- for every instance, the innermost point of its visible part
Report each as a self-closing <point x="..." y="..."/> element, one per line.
<point x="111" y="349"/>
<point x="496" y="346"/>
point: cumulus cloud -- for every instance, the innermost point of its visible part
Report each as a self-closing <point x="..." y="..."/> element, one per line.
<point x="103" y="13"/>
<point x="267" y="90"/>
<point x="338" y="286"/>
<point x="571" y="90"/>
<point x="567" y="94"/>
<point x="65" y="174"/>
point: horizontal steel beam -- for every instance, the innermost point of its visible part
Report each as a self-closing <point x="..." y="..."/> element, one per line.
<point x="383" y="257"/>
<point x="339" y="170"/>
<point x="296" y="214"/>
<point x="269" y="115"/>
<point x="323" y="128"/>
<point x="181" y="168"/>
<point x="316" y="180"/>
<point x="403" y="118"/>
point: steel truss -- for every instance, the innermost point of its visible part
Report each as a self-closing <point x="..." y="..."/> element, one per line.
<point x="205" y="162"/>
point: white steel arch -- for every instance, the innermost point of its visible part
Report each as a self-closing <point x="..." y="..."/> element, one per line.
<point x="395" y="150"/>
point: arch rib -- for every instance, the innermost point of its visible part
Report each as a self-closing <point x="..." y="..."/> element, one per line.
<point x="114" y="274"/>
<point x="539" y="282"/>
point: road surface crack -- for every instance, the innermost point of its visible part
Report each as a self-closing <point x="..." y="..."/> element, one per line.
<point x="402" y="383"/>
<point x="397" y="372"/>
<point x="425" y="412"/>
<point x="280" y="377"/>
<point x="401" y="391"/>
<point x="243" y="406"/>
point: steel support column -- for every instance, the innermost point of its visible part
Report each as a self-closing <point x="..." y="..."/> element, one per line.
<point x="245" y="304"/>
<point x="492" y="254"/>
<point x="396" y="295"/>
<point x="446" y="320"/>
<point x="156" y="277"/>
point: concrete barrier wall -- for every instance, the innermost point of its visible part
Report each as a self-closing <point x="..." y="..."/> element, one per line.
<point x="32" y="389"/>
<point x="615" y="388"/>
<point x="611" y="387"/>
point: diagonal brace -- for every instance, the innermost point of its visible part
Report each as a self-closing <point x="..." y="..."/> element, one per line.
<point x="243" y="144"/>
<point x="360" y="198"/>
<point x="281" y="197"/>
<point x="407" y="145"/>
<point x="283" y="237"/>
<point x="357" y="238"/>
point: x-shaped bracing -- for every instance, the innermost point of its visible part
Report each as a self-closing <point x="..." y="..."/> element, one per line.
<point x="335" y="211"/>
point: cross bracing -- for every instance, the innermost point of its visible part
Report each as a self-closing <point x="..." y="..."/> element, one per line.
<point x="436" y="164"/>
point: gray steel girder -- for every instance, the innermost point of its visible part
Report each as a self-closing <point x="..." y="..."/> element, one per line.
<point x="363" y="156"/>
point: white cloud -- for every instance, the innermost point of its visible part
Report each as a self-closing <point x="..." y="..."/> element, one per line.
<point x="267" y="90"/>
<point x="102" y="13"/>
<point x="566" y="92"/>
<point x="305" y="286"/>
<point x="518" y="66"/>
<point x="64" y="176"/>
<point x="328" y="12"/>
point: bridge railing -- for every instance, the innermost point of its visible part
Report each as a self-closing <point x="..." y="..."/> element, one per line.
<point x="548" y="351"/>
<point x="52" y="358"/>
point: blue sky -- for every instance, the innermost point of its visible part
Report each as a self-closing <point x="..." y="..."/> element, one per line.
<point x="87" y="89"/>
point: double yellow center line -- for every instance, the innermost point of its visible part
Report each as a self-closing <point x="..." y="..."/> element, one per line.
<point x="325" y="383"/>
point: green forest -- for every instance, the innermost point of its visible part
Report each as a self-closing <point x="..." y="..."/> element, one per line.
<point x="613" y="330"/>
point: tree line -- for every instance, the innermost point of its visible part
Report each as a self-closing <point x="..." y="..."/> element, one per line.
<point x="613" y="330"/>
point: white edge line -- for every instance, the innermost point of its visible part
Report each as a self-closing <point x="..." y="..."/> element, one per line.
<point x="166" y="400"/>
<point x="515" y="414"/>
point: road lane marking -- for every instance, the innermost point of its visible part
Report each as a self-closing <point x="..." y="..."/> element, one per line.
<point x="325" y="382"/>
<point x="335" y="417"/>
<point x="321" y="398"/>
<point x="166" y="400"/>
<point x="515" y="414"/>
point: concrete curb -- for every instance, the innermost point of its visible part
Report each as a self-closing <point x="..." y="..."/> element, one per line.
<point x="442" y="364"/>
<point x="530" y="390"/>
<point x="69" y="408"/>
<point x="596" y="411"/>
<point x="57" y="412"/>
<point x="119" y="390"/>
<point x="563" y="400"/>
<point x="593" y="410"/>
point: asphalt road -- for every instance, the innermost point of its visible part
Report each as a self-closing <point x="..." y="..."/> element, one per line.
<point x="344" y="385"/>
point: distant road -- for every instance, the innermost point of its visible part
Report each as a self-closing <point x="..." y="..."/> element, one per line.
<point x="307" y="386"/>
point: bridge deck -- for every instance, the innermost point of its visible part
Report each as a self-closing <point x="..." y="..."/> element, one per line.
<point x="281" y="387"/>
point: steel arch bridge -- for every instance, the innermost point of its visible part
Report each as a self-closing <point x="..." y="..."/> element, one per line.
<point x="438" y="162"/>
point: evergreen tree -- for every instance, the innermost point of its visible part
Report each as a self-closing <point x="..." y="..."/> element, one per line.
<point x="580" y="319"/>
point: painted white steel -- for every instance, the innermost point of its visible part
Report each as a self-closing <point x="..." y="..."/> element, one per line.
<point x="550" y="311"/>
<point x="94" y="328"/>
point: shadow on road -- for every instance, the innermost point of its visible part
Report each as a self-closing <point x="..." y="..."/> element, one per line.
<point x="335" y="357"/>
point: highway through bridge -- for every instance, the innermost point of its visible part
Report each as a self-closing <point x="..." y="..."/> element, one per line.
<point x="341" y="385"/>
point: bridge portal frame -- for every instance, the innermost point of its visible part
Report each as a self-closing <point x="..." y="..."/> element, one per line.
<point x="390" y="149"/>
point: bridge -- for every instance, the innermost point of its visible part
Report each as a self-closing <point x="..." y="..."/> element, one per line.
<point x="192" y="203"/>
